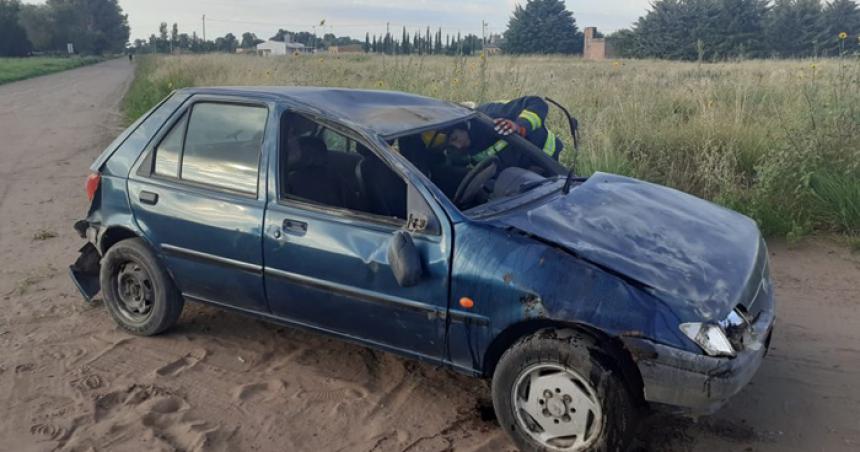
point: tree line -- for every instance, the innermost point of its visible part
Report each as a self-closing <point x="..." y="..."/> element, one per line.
<point x="726" y="29"/>
<point x="671" y="29"/>
<point x="91" y="26"/>
<point x="169" y="40"/>
<point x="423" y="43"/>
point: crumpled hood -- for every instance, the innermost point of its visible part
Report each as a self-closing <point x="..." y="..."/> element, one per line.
<point x="700" y="254"/>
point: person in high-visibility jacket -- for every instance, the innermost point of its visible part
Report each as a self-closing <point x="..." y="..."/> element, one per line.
<point x="526" y="117"/>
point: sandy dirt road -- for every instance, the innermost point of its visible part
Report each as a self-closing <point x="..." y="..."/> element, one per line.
<point x="70" y="380"/>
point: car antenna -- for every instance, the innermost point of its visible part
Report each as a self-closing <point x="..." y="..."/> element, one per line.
<point x="574" y="132"/>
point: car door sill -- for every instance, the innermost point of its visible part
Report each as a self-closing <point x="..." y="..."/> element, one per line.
<point x="354" y="339"/>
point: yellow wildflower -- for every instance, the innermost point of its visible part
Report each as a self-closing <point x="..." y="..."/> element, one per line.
<point x="843" y="36"/>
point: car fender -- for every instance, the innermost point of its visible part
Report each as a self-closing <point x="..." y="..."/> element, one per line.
<point x="514" y="278"/>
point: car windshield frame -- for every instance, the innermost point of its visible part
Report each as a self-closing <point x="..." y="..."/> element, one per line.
<point x="506" y="203"/>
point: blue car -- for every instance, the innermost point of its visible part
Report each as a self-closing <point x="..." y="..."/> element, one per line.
<point x="349" y="213"/>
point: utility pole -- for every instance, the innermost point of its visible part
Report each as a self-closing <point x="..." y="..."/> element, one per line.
<point x="484" y="31"/>
<point x="204" y="28"/>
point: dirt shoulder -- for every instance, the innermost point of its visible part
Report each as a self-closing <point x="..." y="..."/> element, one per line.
<point x="70" y="380"/>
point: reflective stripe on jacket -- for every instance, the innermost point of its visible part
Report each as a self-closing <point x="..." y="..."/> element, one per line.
<point x="530" y="113"/>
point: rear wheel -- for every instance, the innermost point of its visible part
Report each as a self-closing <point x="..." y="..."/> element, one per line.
<point x="138" y="293"/>
<point x="557" y="392"/>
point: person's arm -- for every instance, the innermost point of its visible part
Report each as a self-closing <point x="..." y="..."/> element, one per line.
<point x="530" y="114"/>
<point x="533" y="113"/>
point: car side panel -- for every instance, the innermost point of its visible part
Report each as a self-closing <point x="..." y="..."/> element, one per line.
<point x="210" y="241"/>
<point x="209" y="238"/>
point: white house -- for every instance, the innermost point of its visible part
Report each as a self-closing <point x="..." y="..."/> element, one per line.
<point x="282" y="48"/>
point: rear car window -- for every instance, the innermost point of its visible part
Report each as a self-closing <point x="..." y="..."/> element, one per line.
<point x="215" y="144"/>
<point x="167" y="163"/>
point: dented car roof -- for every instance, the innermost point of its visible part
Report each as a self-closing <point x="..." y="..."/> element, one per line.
<point x="384" y="113"/>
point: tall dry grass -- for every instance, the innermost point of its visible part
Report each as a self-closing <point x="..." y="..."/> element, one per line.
<point x="778" y="140"/>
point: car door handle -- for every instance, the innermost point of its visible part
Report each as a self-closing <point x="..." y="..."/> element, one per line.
<point x="148" y="197"/>
<point x="295" y="227"/>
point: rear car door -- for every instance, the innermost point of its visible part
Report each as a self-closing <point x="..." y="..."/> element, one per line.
<point x="199" y="199"/>
<point x="326" y="255"/>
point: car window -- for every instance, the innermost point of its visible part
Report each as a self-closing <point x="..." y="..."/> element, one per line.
<point x="337" y="142"/>
<point x="223" y="145"/>
<point x="167" y="152"/>
<point x="330" y="169"/>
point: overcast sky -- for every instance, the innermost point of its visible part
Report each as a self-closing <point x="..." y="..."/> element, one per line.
<point x="355" y="17"/>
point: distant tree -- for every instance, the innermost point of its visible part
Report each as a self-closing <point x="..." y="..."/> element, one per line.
<point x="839" y="16"/>
<point x="472" y="44"/>
<point x="428" y="42"/>
<point x="405" y="47"/>
<point x="228" y="43"/>
<point x="250" y="40"/>
<point x="700" y="29"/>
<point x="162" y="36"/>
<point x="183" y="41"/>
<point x="675" y="29"/>
<point x="280" y="35"/>
<point x="93" y="26"/>
<point x="174" y="36"/>
<point x="367" y="43"/>
<point x="792" y="28"/>
<point x="13" y="37"/>
<point x="741" y="27"/>
<point x="543" y="26"/>
<point x="387" y="44"/>
<point x="624" y="43"/>
<point x="37" y="20"/>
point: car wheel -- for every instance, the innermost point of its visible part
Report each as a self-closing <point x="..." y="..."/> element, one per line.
<point x="556" y="391"/>
<point x="138" y="293"/>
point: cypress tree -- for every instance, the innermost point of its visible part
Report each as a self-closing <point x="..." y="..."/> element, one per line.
<point x="543" y="26"/>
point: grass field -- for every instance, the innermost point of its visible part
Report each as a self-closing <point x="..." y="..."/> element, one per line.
<point x="12" y="69"/>
<point x="777" y="140"/>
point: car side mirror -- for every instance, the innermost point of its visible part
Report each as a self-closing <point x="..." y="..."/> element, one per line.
<point x="404" y="259"/>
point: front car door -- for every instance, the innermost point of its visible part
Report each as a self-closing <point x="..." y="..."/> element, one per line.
<point x="326" y="251"/>
<point x="198" y="197"/>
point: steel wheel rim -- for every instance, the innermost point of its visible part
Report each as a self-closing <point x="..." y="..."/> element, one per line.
<point x="134" y="291"/>
<point x="557" y="407"/>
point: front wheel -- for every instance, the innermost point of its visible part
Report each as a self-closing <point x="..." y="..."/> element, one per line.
<point x="139" y="294"/>
<point x="554" y="393"/>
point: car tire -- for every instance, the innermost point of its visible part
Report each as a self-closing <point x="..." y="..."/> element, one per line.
<point x="561" y="380"/>
<point x="138" y="293"/>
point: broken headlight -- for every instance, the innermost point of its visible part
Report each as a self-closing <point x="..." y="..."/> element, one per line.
<point x="710" y="337"/>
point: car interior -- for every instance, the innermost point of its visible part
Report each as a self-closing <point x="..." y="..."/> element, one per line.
<point x="323" y="166"/>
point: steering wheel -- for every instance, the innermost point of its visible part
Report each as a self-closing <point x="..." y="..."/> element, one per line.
<point x="473" y="183"/>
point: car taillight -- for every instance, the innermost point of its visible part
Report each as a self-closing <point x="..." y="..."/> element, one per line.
<point x="93" y="182"/>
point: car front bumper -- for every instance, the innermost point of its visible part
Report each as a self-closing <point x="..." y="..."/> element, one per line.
<point x="696" y="383"/>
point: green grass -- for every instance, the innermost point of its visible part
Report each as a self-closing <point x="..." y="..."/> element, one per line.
<point x="12" y="69"/>
<point x="776" y="140"/>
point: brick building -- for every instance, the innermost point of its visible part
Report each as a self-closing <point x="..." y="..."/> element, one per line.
<point x="596" y="48"/>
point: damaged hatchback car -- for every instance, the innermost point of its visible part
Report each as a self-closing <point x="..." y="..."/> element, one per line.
<point x="345" y="212"/>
